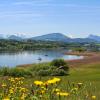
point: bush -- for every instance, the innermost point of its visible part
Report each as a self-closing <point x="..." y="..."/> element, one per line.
<point x="44" y="72"/>
<point x="59" y="72"/>
<point x="57" y="67"/>
<point x="60" y="63"/>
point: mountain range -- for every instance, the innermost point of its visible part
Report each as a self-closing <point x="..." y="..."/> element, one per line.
<point x="53" y="37"/>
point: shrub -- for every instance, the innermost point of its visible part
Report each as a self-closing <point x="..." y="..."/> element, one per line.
<point x="57" y="67"/>
<point x="60" y="63"/>
<point x="44" y="72"/>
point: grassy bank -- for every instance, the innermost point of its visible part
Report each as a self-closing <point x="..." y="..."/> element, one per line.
<point x="87" y="74"/>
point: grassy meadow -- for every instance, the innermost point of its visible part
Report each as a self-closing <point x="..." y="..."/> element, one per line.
<point x="89" y="75"/>
<point x="81" y="83"/>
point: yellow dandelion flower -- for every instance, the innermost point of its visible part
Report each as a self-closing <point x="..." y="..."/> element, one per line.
<point x="93" y="97"/>
<point x="6" y="98"/>
<point x="38" y="83"/>
<point x="51" y="82"/>
<point x="56" y="90"/>
<point x="56" y="79"/>
<point x="63" y="93"/>
<point x="11" y="91"/>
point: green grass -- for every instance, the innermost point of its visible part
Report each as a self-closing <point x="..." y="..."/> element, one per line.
<point x="89" y="75"/>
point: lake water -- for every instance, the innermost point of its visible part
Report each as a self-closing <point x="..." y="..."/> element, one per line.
<point x="28" y="57"/>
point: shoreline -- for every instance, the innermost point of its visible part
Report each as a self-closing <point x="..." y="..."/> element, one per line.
<point x="89" y="58"/>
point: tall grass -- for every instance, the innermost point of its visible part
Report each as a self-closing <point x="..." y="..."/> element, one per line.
<point x="15" y="72"/>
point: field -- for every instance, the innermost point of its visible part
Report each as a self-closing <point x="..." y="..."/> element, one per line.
<point x="86" y="74"/>
<point x="89" y="75"/>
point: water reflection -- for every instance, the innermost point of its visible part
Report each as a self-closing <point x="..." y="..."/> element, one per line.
<point x="26" y="57"/>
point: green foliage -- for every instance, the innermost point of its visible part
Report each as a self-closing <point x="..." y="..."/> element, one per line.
<point x="52" y="72"/>
<point x="80" y="49"/>
<point x="4" y="71"/>
<point x="44" y="72"/>
<point x="59" y="72"/>
<point x="12" y="45"/>
<point x="57" y="67"/>
<point x="43" y="69"/>
<point x="60" y="63"/>
<point x="15" y="72"/>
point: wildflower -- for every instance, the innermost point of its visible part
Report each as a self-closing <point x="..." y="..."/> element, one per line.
<point x="6" y="98"/>
<point x="53" y="81"/>
<point x="20" y="82"/>
<point x="63" y="93"/>
<point x="11" y="91"/>
<point x="17" y="79"/>
<point x="56" y="90"/>
<point x="23" y="97"/>
<point x="4" y="85"/>
<point x="93" y="97"/>
<point x="23" y="90"/>
<point x="12" y="80"/>
<point x="56" y="79"/>
<point x="38" y="83"/>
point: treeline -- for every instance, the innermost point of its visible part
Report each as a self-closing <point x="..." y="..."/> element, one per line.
<point x="12" y="45"/>
<point x="29" y="45"/>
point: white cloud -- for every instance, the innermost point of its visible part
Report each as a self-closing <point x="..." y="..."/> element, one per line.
<point x="20" y="14"/>
<point x="33" y="2"/>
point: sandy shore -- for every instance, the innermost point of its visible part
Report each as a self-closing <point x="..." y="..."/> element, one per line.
<point x="89" y="58"/>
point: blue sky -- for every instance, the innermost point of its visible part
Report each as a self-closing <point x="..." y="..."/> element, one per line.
<point x="75" y="18"/>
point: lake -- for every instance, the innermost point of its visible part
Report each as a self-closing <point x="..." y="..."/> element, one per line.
<point x="28" y="57"/>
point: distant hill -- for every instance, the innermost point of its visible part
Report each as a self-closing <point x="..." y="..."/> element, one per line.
<point x="83" y="40"/>
<point x="14" y="37"/>
<point x="52" y="37"/>
<point x="59" y="37"/>
<point x="1" y="36"/>
<point x="94" y="37"/>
